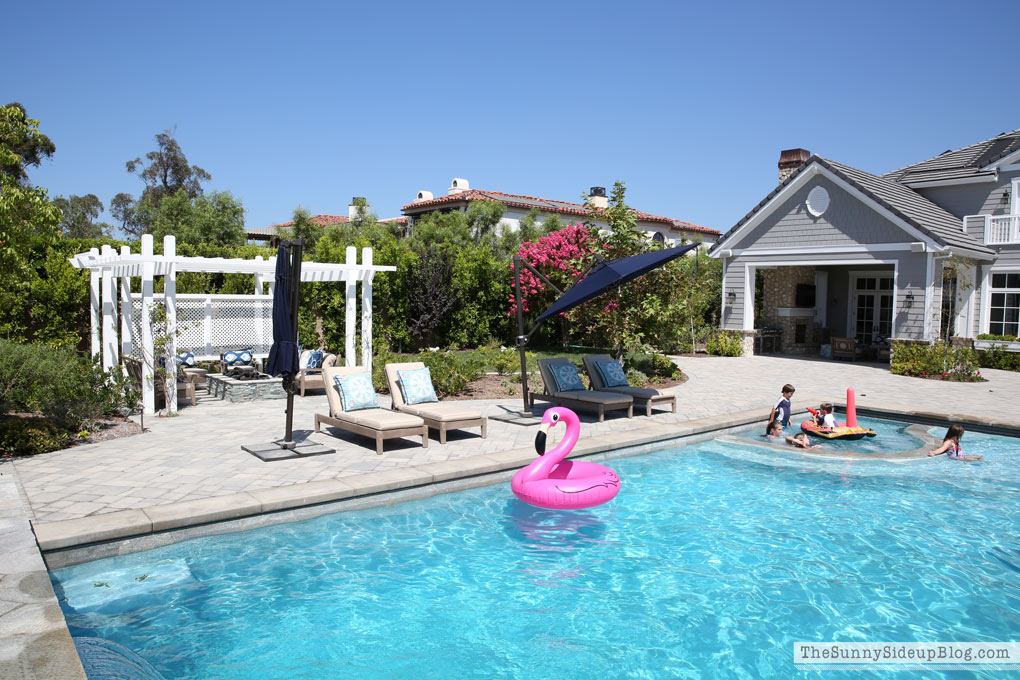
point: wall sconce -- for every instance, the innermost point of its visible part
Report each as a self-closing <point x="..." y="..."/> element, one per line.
<point x="909" y="302"/>
<point x="1005" y="197"/>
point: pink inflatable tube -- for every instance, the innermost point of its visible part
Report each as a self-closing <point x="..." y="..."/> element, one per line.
<point x="558" y="484"/>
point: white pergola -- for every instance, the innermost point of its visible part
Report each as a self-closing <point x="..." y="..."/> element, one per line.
<point x="215" y="322"/>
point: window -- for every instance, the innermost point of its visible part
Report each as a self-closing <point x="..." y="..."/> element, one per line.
<point x="1004" y="310"/>
<point x="658" y="237"/>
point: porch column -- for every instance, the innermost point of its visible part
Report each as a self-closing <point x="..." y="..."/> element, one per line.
<point x="170" y="300"/>
<point x="351" y="282"/>
<point x="148" y="271"/>
<point x="366" y="309"/>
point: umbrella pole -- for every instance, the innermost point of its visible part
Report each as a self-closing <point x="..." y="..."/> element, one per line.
<point x="296" y="247"/>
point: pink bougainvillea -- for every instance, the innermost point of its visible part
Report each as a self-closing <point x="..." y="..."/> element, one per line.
<point x="561" y="256"/>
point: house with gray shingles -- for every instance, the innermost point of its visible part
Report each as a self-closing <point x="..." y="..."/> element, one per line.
<point x="926" y="251"/>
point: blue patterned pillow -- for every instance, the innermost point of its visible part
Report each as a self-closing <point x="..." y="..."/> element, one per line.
<point x="238" y="357"/>
<point x="566" y="377"/>
<point x="356" y="391"/>
<point x="612" y="373"/>
<point x="416" y="386"/>
<point x="186" y="359"/>
<point x="315" y="360"/>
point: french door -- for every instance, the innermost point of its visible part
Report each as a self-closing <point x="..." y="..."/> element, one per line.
<point x="871" y="307"/>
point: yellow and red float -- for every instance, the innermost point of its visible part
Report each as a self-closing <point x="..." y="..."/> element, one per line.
<point x="848" y="430"/>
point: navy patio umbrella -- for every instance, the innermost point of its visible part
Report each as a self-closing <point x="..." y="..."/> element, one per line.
<point x="283" y="355"/>
<point x="606" y="275"/>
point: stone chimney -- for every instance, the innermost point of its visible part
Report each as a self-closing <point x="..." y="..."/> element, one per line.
<point x="357" y="204"/>
<point x="790" y="160"/>
<point x="597" y="197"/>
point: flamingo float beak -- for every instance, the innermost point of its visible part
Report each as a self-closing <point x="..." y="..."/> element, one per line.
<point x="540" y="438"/>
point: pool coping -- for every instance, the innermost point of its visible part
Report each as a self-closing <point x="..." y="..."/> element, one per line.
<point x="60" y="541"/>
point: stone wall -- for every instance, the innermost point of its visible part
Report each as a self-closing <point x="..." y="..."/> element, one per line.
<point x="780" y="290"/>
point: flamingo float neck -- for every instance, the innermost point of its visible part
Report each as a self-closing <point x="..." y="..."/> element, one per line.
<point x="542" y="467"/>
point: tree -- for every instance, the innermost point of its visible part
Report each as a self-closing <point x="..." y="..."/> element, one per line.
<point x="622" y="239"/>
<point x="24" y="146"/>
<point x="433" y="294"/>
<point x="216" y="218"/>
<point x="79" y="216"/>
<point x="25" y="211"/>
<point x="122" y="207"/>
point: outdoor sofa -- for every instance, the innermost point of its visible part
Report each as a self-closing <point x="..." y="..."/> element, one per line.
<point x="578" y="398"/>
<point x="437" y="415"/>
<point x="377" y="422"/>
<point x="642" y="396"/>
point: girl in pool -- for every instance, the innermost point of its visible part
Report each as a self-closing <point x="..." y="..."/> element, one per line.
<point x="951" y="445"/>
<point x="775" y="430"/>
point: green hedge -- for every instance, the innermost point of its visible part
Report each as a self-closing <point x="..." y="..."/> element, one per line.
<point x="923" y="360"/>
<point x="998" y="357"/>
<point x="725" y="343"/>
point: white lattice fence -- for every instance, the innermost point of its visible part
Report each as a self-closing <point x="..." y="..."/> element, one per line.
<point x="209" y="324"/>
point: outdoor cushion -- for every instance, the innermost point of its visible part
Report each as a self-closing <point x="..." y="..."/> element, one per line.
<point x="385" y="419"/>
<point x="446" y="413"/>
<point x="566" y="377"/>
<point x="186" y="359"/>
<point x="605" y="398"/>
<point x="356" y="391"/>
<point x="612" y="373"/>
<point x="315" y="359"/>
<point x="304" y="357"/>
<point x="416" y="386"/>
<point x="238" y="357"/>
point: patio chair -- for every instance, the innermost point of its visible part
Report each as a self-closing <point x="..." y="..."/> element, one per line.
<point x="846" y="348"/>
<point x="376" y="422"/>
<point x="577" y="397"/>
<point x="185" y="387"/>
<point x="643" y="396"/>
<point x="311" y="378"/>
<point x="438" y="416"/>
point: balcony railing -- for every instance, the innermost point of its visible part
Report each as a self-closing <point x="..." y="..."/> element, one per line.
<point x="998" y="229"/>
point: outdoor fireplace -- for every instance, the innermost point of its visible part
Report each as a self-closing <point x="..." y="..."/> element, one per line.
<point x="245" y="383"/>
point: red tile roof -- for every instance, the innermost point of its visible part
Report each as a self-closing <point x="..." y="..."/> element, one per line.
<point x="323" y="220"/>
<point x="547" y="205"/>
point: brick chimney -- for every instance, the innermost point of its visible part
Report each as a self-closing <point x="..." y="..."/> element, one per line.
<point x="597" y="196"/>
<point x="790" y="160"/>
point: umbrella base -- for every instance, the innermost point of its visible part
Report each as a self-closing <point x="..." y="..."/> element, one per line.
<point x="525" y="418"/>
<point x="281" y="450"/>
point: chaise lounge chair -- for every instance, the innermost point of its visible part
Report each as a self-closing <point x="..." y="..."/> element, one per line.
<point x="577" y="397"/>
<point x="643" y="396"/>
<point x="377" y="422"/>
<point x="437" y="415"/>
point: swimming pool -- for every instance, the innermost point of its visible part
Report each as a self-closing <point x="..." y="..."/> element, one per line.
<point x="711" y="562"/>
<point x="890" y="436"/>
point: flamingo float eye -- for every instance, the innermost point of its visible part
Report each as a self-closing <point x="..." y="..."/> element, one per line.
<point x="555" y="417"/>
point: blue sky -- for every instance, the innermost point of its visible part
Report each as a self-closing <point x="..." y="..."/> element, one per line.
<point x="310" y="104"/>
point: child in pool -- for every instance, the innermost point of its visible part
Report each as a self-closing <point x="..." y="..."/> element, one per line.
<point x="801" y="440"/>
<point x="775" y="430"/>
<point x="824" y="418"/>
<point x="951" y="445"/>
<point x="781" y="409"/>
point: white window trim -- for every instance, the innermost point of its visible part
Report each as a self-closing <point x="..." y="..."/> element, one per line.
<point x="1014" y="197"/>
<point x="986" y="292"/>
<point x="852" y="288"/>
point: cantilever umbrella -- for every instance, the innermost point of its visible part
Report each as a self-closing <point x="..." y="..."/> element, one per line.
<point x="606" y="275"/>
<point x="598" y="280"/>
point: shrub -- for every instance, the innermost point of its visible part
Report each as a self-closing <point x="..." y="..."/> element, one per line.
<point x="989" y="336"/>
<point x="655" y="365"/>
<point x="28" y="436"/>
<point x="451" y="372"/>
<point x="726" y="344"/>
<point x="923" y="360"/>
<point x="998" y="357"/>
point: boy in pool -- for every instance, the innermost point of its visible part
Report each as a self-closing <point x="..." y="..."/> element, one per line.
<point x="824" y="418"/>
<point x="781" y="410"/>
<point x="951" y="444"/>
<point x="801" y="440"/>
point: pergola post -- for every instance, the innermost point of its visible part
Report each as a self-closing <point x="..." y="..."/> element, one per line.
<point x="148" y="358"/>
<point x="126" y="312"/>
<point x="170" y="301"/>
<point x="260" y="338"/>
<point x="95" y="276"/>
<point x="108" y="303"/>
<point x="351" y="283"/>
<point x="366" y="309"/>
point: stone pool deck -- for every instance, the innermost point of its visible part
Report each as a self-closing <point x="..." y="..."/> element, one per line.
<point x="190" y="470"/>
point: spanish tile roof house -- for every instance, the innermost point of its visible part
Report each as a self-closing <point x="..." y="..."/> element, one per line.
<point x="663" y="229"/>
<point x="929" y="250"/>
<point x="272" y="232"/>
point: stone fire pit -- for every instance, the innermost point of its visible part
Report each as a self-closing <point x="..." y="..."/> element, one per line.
<point x="235" y="390"/>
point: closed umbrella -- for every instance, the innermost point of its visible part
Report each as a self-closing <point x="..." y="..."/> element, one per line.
<point x="283" y="355"/>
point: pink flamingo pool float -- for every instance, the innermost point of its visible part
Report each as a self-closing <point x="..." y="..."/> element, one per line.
<point x="558" y="484"/>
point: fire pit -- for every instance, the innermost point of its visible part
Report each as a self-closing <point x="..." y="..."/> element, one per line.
<point x="245" y="385"/>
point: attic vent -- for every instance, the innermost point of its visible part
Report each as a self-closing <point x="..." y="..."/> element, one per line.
<point x="424" y="196"/>
<point x="818" y="201"/>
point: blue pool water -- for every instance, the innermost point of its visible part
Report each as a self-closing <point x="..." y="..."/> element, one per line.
<point x="890" y="436"/>
<point x="710" y="563"/>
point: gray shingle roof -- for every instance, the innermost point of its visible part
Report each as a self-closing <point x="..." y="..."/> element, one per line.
<point x="961" y="163"/>
<point x="900" y="200"/>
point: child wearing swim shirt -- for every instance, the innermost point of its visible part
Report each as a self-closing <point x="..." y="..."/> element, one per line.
<point x="825" y="419"/>
<point x="781" y="410"/>
<point x="951" y="445"/>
